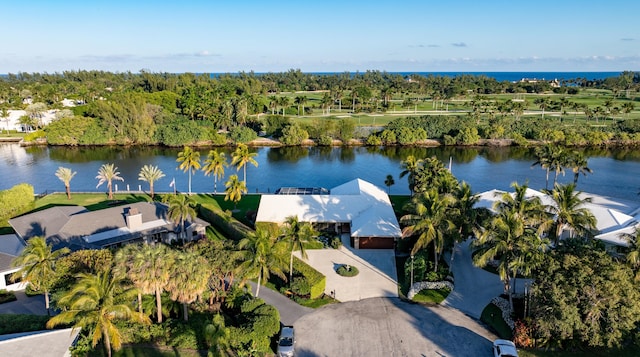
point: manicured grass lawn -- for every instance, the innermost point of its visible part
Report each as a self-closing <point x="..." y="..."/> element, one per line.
<point x="147" y="351"/>
<point x="314" y="304"/>
<point x="431" y="296"/>
<point x="492" y="316"/>
<point x="92" y="201"/>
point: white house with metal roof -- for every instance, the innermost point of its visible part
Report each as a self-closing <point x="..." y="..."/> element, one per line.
<point x="10" y="247"/>
<point x="613" y="217"/>
<point x="357" y="207"/>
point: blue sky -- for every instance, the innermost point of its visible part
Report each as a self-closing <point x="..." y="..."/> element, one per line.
<point x="315" y="36"/>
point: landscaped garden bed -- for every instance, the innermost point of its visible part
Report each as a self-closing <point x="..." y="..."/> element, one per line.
<point x="347" y="270"/>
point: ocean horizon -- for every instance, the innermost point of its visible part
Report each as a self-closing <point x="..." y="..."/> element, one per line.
<point x="498" y="76"/>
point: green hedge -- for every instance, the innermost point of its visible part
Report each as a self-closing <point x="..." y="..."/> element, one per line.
<point x="316" y="280"/>
<point x="7" y="296"/>
<point x="231" y="227"/>
<point x="16" y="200"/>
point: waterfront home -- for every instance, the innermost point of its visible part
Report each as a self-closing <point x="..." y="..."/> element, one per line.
<point x="77" y="228"/>
<point x="357" y="208"/>
<point x="614" y="217"/>
<point x="10" y="247"/>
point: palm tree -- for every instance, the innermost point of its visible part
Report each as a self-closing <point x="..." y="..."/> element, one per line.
<point x="189" y="162"/>
<point x="429" y="220"/>
<point x="150" y="174"/>
<point x="241" y="157"/>
<point x="92" y="304"/>
<point x="578" y="164"/>
<point x="300" y="101"/>
<point x="410" y="166"/>
<point x="543" y="159"/>
<point x="262" y="256"/>
<point x="389" y="182"/>
<point x="124" y="266"/>
<point x="37" y="263"/>
<point x="65" y="175"/>
<point x="215" y="164"/>
<point x="509" y="240"/>
<point x="529" y="209"/>
<point x="189" y="279"/>
<point x="569" y="211"/>
<point x="234" y="189"/>
<point x="284" y="103"/>
<point x="4" y="114"/>
<point x="543" y="103"/>
<point x="107" y="173"/>
<point x="296" y="234"/>
<point x="152" y="266"/>
<point x="181" y="208"/>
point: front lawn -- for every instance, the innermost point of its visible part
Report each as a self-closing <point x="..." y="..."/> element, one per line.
<point x="492" y="316"/>
<point x="431" y="296"/>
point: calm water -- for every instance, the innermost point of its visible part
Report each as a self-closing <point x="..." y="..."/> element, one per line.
<point x="616" y="172"/>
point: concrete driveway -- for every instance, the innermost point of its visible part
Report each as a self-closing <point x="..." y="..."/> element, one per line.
<point x="377" y="275"/>
<point x="390" y="327"/>
<point x="474" y="287"/>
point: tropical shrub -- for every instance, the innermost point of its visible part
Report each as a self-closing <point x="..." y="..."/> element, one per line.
<point x="293" y="134"/>
<point x="16" y="200"/>
<point x="242" y="134"/>
<point x="12" y="323"/>
<point x="7" y="296"/>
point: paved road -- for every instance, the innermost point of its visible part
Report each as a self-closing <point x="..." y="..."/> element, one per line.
<point x="290" y="311"/>
<point x="390" y="327"/>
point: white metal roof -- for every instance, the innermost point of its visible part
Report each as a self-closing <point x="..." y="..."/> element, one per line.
<point x="364" y="205"/>
<point x="613" y="217"/>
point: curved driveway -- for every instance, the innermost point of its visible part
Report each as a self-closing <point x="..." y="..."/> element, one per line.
<point x="390" y="327"/>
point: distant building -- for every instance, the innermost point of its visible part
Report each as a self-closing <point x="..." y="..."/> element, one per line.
<point x="553" y="83"/>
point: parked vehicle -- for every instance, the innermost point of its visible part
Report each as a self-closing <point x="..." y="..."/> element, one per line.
<point x="286" y="342"/>
<point x="504" y="348"/>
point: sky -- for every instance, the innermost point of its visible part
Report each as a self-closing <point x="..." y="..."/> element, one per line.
<point x="224" y="36"/>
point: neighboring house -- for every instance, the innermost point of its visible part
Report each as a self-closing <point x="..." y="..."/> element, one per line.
<point x="613" y="218"/>
<point x="77" y="228"/>
<point x="10" y="247"/>
<point x="357" y="207"/>
<point x="38" y="343"/>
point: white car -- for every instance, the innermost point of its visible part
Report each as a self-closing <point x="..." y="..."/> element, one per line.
<point x="286" y="341"/>
<point x="504" y="348"/>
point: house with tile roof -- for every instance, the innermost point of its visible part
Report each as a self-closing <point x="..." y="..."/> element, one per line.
<point x="77" y="228"/>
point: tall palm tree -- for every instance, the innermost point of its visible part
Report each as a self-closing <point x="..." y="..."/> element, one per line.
<point x="189" y="162"/>
<point x="37" y="263"/>
<point x="429" y="220"/>
<point x="508" y="239"/>
<point x="107" y="173"/>
<point x="124" y="266"/>
<point x="189" y="279"/>
<point x="65" y="175"/>
<point x="234" y="189"/>
<point x="93" y="304"/>
<point x="150" y="174"/>
<point x="296" y="234"/>
<point x="215" y="164"/>
<point x="263" y="256"/>
<point x="389" y="182"/>
<point x="569" y="211"/>
<point x="152" y="266"/>
<point x="578" y="164"/>
<point x="529" y="209"/>
<point x="284" y="102"/>
<point x="241" y="157"/>
<point x="410" y="166"/>
<point x="181" y="208"/>
<point x="543" y="159"/>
